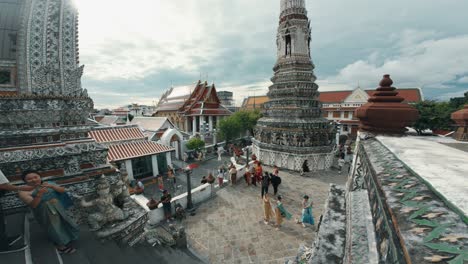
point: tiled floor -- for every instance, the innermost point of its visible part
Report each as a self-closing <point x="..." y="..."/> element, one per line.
<point x="230" y="229"/>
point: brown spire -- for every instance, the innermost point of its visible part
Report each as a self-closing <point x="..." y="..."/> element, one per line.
<point x="385" y="113"/>
<point x="461" y="118"/>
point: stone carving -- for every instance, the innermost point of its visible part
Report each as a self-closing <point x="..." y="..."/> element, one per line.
<point x="107" y="211"/>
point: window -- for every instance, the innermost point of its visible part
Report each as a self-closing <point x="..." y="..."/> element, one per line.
<point x="345" y="114"/>
<point x="336" y="114"/>
<point x="5" y="77"/>
<point x="345" y="128"/>
<point x="142" y="167"/>
<point x="325" y="113"/>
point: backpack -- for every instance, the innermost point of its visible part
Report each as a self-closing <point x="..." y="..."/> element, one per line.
<point x="279" y="180"/>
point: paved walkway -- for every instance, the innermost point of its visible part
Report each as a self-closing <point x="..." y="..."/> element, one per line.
<point x="230" y="229"/>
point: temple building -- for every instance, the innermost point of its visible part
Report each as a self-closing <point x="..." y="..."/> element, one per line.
<point x="293" y="129"/>
<point x="193" y="109"/>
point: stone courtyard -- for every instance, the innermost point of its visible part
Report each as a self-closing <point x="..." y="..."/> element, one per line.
<point x="229" y="228"/>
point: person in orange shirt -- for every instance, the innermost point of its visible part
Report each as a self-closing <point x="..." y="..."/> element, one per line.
<point x="259" y="172"/>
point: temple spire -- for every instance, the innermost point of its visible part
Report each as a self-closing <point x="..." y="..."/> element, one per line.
<point x="286" y="4"/>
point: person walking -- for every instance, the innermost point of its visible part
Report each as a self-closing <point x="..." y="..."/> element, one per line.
<point x="275" y="170"/>
<point x="233" y="173"/>
<point x="341" y="162"/>
<point x="258" y="171"/>
<point x="265" y="183"/>
<point x="267" y="210"/>
<point x="306" y="217"/>
<point x="253" y="178"/>
<point x="280" y="212"/>
<point x="220" y="176"/>
<point x="247" y="175"/>
<point x="166" y="202"/>
<point x="275" y="182"/>
<point x="171" y="176"/>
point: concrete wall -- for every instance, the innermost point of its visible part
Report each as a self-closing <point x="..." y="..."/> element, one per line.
<point x="199" y="194"/>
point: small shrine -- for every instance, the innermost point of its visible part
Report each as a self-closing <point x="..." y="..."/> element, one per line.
<point x="461" y="119"/>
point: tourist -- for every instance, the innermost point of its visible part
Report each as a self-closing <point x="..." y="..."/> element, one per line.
<point x="140" y="186"/>
<point x="305" y="167"/>
<point x="307" y="217"/>
<point x="166" y="202"/>
<point x="265" y="183"/>
<point x="258" y="171"/>
<point x="275" y="170"/>
<point x="171" y="175"/>
<point x="46" y="204"/>
<point x="185" y="156"/>
<point x="4" y="240"/>
<point x="203" y="180"/>
<point x="220" y="176"/>
<point x="280" y="212"/>
<point x="253" y="178"/>
<point x="267" y="211"/>
<point x="275" y="182"/>
<point x="247" y="175"/>
<point x="160" y="182"/>
<point x="341" y="162"/>
<point x="233" y="173"/>
<point x="210" y="179"/>
<point x="220" y="152"/>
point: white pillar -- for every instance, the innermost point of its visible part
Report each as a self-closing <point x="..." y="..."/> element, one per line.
<point x="201" y="119"/>
<point x="169" y="158"/>
<point x="128" y="166"/>
<point x="210" y="121"/>
<point x="154" y="163"/>
<point x="194" y="125"/>
<point x="186" y="125"/>
<point x="218" y="118"/>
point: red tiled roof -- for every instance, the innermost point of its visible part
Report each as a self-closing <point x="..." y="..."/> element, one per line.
<point x="131" y="150"/>
<point x="116" y="134"/>
<point x="334" y="97"/>
<point x="410" y="95"/>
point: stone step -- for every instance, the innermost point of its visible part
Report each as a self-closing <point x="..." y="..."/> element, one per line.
<point x="42" y="251"/>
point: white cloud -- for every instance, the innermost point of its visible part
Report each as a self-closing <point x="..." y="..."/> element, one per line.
<point x="463" y="80"/>
<point x="430" y="63"/>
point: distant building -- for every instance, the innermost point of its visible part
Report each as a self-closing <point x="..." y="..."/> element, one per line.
<point x="192" y="108"/>
<point x="339" y="106"/>
<point x="120" y="112"/>
<point x="141" y="110"/>
<point x="254" y="102"/>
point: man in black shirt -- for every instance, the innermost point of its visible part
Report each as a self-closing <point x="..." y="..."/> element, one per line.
<point x="166" y="202"/>
<point x="275" y="181"/>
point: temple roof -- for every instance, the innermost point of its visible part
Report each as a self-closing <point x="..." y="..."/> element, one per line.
<point x="200" y="99"/>
<point x="131" y="150"/>
<point x="115" y="134"/>
<point x="253" y="102"/>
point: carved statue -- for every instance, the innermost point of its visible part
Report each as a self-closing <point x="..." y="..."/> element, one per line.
<point x="273" y="138"/>
<point x="307" y="140"/>
<point x="285" y="139"/>
<point x="295" y="140"/>
<point x="120" y="192"/>
<point x="107" y="211"/>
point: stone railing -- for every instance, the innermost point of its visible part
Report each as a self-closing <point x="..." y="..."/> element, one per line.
<point x="411" y="223"/>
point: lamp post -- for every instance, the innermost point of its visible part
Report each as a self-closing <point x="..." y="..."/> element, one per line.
<point x="188" y="171"/>
<point x="338" y="127"/>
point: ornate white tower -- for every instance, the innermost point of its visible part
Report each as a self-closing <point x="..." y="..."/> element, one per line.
<point x="48" y="49"/>
<point x="292" y="129"/>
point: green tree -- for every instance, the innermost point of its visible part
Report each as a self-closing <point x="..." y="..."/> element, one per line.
<point x="130" y="117"/>
<point x="195" y="143"/>
<point x="238" y="123"/>
<point x="434" y="115"/>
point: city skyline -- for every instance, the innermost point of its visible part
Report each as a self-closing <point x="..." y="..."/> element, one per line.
<point x="134" y="54"/>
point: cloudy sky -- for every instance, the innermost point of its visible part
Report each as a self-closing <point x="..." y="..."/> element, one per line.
<point x="134" y="50"/>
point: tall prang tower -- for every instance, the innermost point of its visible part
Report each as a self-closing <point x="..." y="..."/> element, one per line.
<point x="292" y="128"/>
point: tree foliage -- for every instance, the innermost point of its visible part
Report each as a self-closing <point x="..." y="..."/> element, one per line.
<point x="435" y="115"/>
<point x="195" y="143"/>
<point x="238" y="123"/>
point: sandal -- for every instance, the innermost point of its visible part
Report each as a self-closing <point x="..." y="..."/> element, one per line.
<point x="67" y="250"/>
